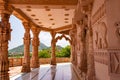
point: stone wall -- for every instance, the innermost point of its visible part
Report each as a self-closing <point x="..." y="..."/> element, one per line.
<point x="96" y="39"/>
<point x="100" y="40"/>
<point x="105" y="24"/>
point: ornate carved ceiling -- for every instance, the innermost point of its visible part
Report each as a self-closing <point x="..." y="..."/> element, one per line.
<point x="44" y="2"/>
<point x="50" y="14"/>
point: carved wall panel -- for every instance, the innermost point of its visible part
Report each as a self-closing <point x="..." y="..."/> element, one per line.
<point x="101" y="35"/>
<point x="114" y="64"/>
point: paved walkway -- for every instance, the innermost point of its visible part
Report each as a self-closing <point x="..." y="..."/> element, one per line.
<point x="46" y="72"/>
<point x="13" y="71"/>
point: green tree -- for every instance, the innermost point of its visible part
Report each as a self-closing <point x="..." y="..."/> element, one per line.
<point x="45" y="53"/>
<point x="64" y="52"/>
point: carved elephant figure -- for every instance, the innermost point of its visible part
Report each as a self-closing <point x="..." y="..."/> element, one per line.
<point x="101" y="33"/>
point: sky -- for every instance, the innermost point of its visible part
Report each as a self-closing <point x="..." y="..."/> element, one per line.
<point x="17" y="35"/>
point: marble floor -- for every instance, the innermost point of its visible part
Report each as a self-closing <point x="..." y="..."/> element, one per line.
<point x="47" y="72"/>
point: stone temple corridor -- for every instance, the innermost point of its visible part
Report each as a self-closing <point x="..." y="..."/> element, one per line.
<point x="92" y="28"/>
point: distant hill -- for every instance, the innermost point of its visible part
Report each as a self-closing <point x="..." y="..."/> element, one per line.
<point x="20" y="49"/>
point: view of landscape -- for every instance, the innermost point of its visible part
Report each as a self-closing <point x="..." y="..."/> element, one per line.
<point x="44" y="51"/>
<point x="16" y="48"/>
<point x="20" y="49"/>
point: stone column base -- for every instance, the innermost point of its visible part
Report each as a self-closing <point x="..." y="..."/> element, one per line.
<point x="53" y="62"/>
<point x="25" y="68"/>
<point x="34" y="64"/>
<point x="4" y="76"/>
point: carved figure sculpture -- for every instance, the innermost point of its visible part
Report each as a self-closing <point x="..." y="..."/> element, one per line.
<point x="101" y="32"/>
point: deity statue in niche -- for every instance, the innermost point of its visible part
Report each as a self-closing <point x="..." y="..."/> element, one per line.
<point x="101" y="33"/>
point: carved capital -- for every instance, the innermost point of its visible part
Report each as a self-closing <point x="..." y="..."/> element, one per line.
<point x="36" y="31"/>
<point x="27" y="33"/>
<point x="86" y="6"/>
<point x="26" y="25"/>
<point x="5" y="7"/>
<point x="53" y="34"/>
<point x="5" y="30"/>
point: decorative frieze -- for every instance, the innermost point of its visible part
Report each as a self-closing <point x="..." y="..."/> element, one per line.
<point x="101" y="56"/>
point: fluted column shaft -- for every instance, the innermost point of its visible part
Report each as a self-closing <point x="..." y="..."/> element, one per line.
<point x="26" y="63"/>
<point x="35" y="45"/>
<point x="53" y="45"/>
<point x="5" y="36"/>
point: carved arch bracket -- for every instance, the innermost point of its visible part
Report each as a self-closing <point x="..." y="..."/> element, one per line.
<point x="63" y="36"/>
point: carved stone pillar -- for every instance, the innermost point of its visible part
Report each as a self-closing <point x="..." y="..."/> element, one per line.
<point x="53" y="45"/>
<point x="91" y="65"/>
<point x="26" y="63"/>
<point x="35" y="45"/>
<point x="82" y="49"/>
<point x="5" y="35"/>
<point x="73" y="45"/>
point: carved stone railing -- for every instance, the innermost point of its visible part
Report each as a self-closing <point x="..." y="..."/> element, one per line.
<point x="18" y="61"/>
